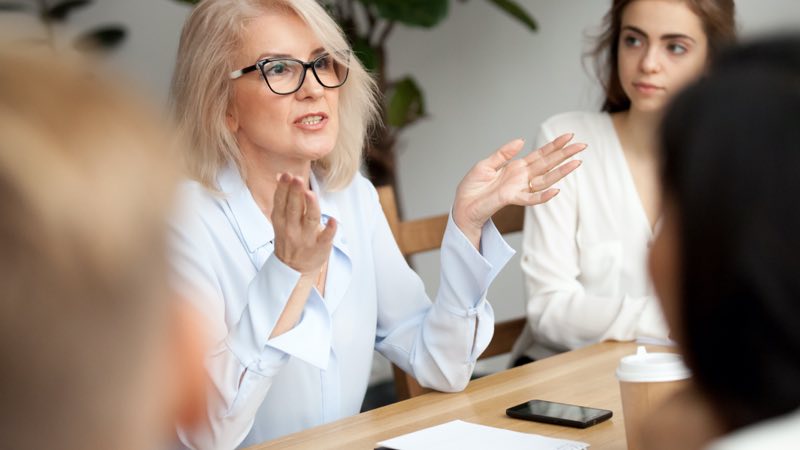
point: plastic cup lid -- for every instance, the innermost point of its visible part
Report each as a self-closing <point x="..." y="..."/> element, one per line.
<point x="646" y="367"/>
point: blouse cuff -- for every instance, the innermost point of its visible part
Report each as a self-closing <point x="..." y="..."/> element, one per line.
<point x="494" y="248"/>
<point x="268" y="294"/>
<point x="309" y="340"/>
<point x="467" y="273"/>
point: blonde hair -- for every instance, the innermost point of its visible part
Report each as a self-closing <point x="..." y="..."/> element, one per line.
<point x="202" y="91"/>
<point x="85" y="187"/>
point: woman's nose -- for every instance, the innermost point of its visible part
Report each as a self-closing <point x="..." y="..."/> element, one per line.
<point x="650" y="62"/>
<point x="311" y="87"/>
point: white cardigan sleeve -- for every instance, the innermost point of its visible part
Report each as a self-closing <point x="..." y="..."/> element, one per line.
<point x="560" y="310"/>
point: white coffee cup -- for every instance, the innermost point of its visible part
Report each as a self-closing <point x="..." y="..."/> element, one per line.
<point x="646" y="380"/>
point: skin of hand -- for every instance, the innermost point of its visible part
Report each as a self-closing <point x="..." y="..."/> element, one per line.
<point x="501" y="180"/>
<point x="301" y="242"/>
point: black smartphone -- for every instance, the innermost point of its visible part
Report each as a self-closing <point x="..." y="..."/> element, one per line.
<point x="559" y="413"/>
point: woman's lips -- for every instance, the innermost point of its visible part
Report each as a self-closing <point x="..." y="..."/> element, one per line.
<point x="312" y="122"/>
<point x="647" y="88"/>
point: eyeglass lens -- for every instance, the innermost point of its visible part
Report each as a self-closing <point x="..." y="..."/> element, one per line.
<point x="286" y="75"/>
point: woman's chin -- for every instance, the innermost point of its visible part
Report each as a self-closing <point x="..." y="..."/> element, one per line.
<point x="317" y="145"/>
<point x="650" y="105"/>
<point x="315" y="153"/>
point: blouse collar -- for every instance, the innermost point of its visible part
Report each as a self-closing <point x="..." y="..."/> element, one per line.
<point x="256" y="230"/>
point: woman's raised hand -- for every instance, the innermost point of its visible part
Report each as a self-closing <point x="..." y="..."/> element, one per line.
<point x="500" y="180"/>
<point x="301" y="242"/>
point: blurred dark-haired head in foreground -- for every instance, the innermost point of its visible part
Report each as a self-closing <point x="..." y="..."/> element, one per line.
<point x="727" y="262"/>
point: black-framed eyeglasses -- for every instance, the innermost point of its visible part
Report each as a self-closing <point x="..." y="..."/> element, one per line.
<point x="284" y="76"/>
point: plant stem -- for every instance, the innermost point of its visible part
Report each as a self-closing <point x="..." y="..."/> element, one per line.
<point x="385" y="34"/>
<point x="48" y="25"/>
<point x="372" y="23"/>
<point x="339" y="9"/>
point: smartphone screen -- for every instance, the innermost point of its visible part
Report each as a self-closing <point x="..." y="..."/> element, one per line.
<point x="559" y="413"/>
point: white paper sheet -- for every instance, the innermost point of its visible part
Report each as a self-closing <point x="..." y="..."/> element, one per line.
<point x="460" y="435"/>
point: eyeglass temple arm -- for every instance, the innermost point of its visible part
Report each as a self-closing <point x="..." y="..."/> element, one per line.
<point x="238" y="73"/>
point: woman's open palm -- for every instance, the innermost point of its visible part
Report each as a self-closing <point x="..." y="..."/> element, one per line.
<point x="500" y="180"/>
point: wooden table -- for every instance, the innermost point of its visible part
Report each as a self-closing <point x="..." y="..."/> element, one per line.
<point x="582" y="377"/>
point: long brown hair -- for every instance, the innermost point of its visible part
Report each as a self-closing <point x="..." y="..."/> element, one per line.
<point x="719" y="24"/>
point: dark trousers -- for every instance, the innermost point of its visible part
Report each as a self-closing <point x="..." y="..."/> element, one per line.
<point x="522" y="360"/>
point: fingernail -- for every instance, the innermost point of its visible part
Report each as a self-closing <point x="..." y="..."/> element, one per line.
<point x="278" y="176"/>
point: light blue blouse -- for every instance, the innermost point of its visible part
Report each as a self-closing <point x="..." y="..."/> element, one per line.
<point x="318" y="371"/>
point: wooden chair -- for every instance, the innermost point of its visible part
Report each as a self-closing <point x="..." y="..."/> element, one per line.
<point x="421" y="235"/>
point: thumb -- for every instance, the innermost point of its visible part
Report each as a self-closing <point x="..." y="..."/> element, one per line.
<point x="327" y="234"/>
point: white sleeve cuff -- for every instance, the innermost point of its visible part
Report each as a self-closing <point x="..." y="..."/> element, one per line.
<point x="310" y="339"/>
<point x="268" y="294"/>
<point x="467" y="273"/>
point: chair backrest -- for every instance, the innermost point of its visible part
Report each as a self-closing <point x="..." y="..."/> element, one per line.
<point x="421" y="235"/>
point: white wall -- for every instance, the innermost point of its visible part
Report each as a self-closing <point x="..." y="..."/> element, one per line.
<point x="487" y="80"/>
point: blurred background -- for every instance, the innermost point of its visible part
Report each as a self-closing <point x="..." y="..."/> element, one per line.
<point x="486" y="78"/>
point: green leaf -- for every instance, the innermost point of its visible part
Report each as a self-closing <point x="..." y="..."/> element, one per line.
<point x="60" y="12"/>
<point x="406" y="103"/>
<point x="101" y="39"/>
<point x="415" y="13"/>
<point x="514" y="10"/>
<point x="366" y="54"/>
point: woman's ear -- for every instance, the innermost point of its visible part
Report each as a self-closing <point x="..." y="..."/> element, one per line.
<point x="190" y="347"/>
<point x="231" y="121"/>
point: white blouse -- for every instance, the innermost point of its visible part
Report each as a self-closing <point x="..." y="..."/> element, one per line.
<point x="584" y="253"/>
<point x="318" y="371"/>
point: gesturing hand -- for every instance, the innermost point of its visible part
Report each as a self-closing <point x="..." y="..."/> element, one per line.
<point x="499" y="180"/>
<point x="301" y="242"/>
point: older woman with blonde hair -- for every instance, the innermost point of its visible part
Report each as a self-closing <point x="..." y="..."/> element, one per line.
<point x="283" y="243"/>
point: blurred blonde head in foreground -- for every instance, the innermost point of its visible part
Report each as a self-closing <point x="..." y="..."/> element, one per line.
<point x="89" y="332"/>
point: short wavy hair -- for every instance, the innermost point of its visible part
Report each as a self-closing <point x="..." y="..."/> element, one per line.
<point x="201" y="93"/>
